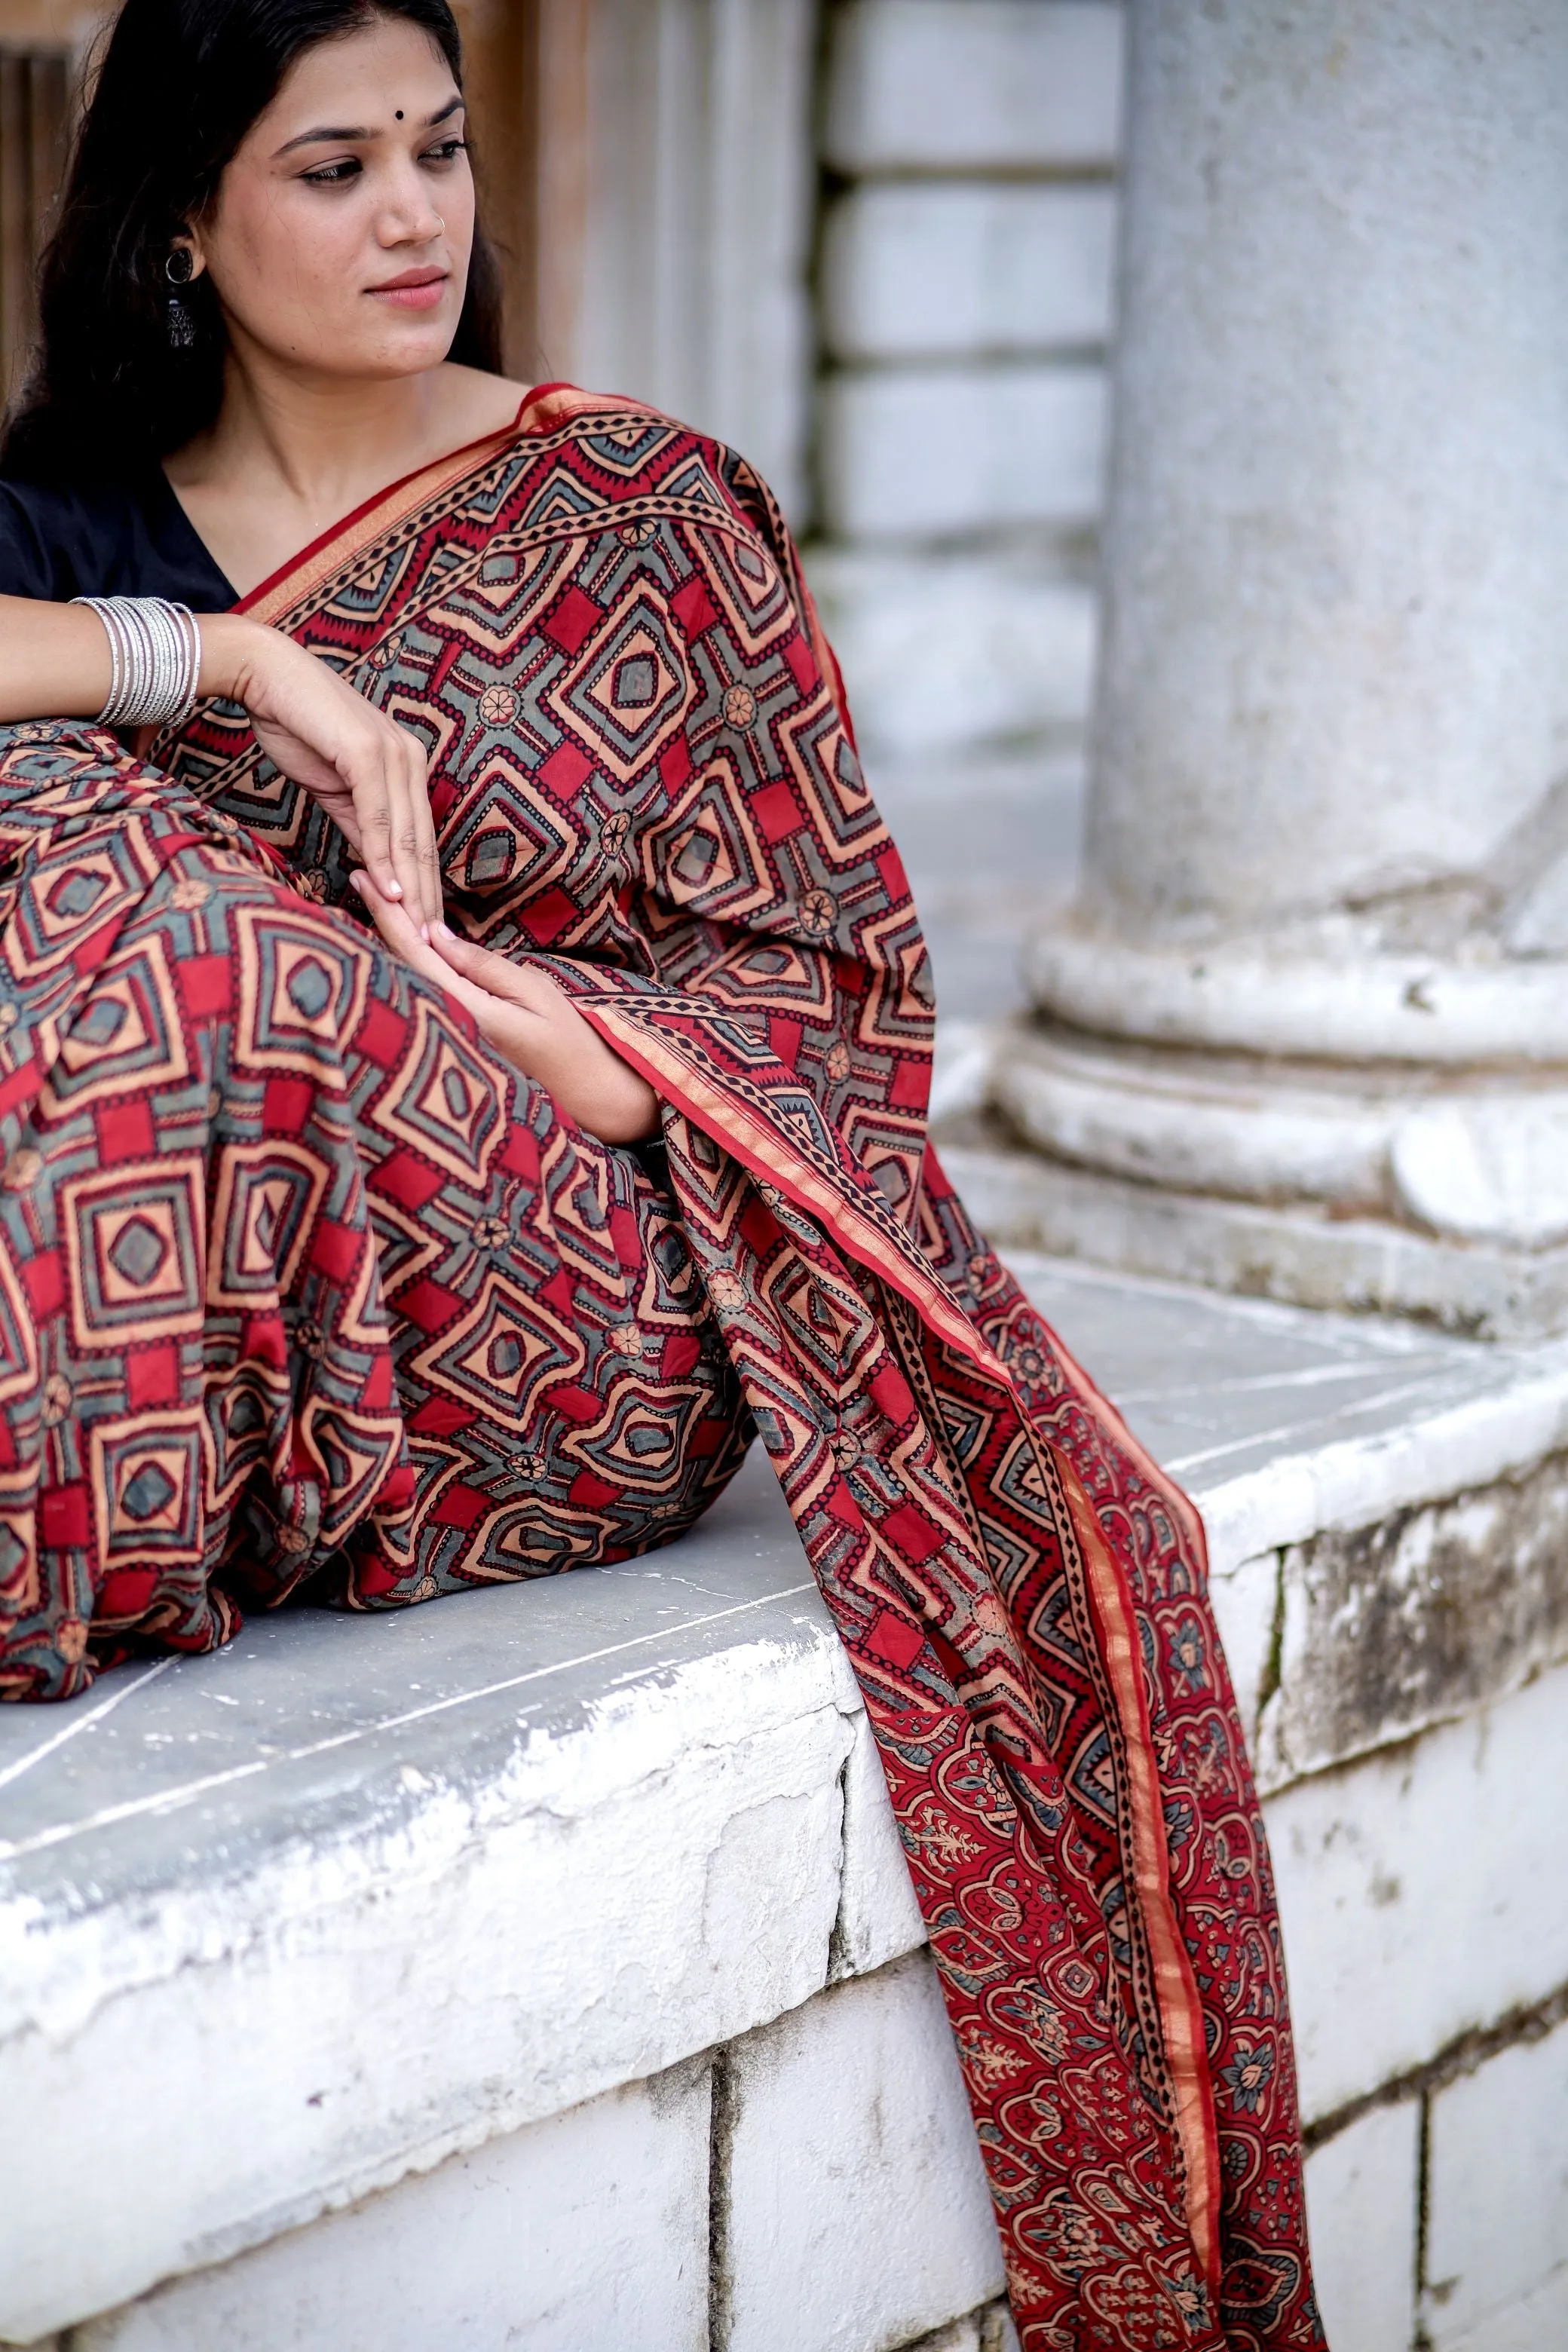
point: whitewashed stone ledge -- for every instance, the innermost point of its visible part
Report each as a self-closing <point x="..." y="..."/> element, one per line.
<point x="946" y="452"/>
<point x="955" y="271"/>
<point x="564" y="1936"/>
<point x="969" y="85"/>
<point x="942" y="652"/>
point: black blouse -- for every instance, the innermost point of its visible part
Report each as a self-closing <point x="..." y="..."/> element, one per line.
<point x="105" y="540"/>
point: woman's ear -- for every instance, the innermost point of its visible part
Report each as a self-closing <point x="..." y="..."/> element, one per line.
<point x="186" y="261"/>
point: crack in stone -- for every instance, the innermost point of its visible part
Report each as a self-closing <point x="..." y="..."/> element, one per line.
<point x="1465" y="2055"/>
<point x="722" y="2115"/>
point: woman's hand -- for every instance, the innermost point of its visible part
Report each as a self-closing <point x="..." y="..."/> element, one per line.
<point x="367" y="773"/>
<point x="530" y="1022"/>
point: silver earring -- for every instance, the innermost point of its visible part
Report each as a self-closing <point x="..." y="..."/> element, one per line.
<point x="179" y="270"/>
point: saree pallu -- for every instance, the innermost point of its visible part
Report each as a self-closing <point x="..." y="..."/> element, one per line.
<point x="643" y="774"/>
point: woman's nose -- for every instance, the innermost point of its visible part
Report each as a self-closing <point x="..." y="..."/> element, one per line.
<point x="408" y="216"/>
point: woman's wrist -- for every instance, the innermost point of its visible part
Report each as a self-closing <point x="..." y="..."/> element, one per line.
<point x="233" y="651"/>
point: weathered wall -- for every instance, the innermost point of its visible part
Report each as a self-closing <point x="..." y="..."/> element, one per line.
<point x="964" y="305"/>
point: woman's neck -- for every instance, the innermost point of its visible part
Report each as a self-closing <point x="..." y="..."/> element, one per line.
<point x="290" y="456"/>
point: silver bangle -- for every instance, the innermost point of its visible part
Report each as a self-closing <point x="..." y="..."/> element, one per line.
<point x="155" y="655"/>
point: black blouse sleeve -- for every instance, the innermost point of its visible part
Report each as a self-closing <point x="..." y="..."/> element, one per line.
<point x="105" y="541"/>
<point x="28" y="566"/>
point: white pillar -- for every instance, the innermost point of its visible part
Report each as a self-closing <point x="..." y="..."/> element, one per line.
<point x="1309" y="1019"/>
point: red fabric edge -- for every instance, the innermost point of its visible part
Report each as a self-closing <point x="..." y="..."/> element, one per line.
<point x="1177" y="1991"/>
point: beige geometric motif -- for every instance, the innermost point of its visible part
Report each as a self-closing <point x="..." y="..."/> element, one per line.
<point x="19" y="1586"/>
<point x="133" y="1241"/>
<point x="146" y="1488"/>
<point x="159" y="1475"/>
<point x="626" y="688"/>
<point x="302" y="989"/>
<point x="130" y="1023"/>
<point x="740" y="706"/>
<point x="264" y="1195"/>
<point x="707" y="854"/>
<point x="453" y="1096"/>
<point x="505" y="1345"/>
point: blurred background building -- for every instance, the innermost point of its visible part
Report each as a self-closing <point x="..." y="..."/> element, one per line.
<point x="1231" y="333"/>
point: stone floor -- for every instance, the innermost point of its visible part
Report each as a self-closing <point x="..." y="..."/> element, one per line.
<point x="217" y="1875"/>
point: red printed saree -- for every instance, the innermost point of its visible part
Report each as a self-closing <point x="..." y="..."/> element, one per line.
<point x="301" y="1286"/>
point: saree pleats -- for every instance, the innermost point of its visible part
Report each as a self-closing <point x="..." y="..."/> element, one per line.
<point x="643" y="773"/>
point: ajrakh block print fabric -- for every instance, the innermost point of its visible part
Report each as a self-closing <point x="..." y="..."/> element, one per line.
<point x="304" y="1290"/>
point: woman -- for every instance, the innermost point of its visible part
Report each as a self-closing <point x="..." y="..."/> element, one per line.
<point x="370" y="1269"/>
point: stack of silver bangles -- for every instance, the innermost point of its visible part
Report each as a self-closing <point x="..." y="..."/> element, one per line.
<point x="156" y="652"/>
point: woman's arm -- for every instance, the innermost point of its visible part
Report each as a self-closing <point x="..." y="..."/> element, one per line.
<point x="368" y="772"/>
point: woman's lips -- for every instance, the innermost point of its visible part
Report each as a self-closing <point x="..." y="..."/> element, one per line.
<point x="416" y="289"/>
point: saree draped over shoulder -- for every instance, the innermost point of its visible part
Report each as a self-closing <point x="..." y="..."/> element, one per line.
<point x="302" y="1288"/>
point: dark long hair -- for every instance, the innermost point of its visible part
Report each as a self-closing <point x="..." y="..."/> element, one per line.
<point x="180" y="84"/>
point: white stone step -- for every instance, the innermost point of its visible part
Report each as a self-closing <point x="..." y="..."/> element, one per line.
<point x="365" y="1898"/>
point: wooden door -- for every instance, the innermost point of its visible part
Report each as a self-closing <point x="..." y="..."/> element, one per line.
<point x="526" y="66"/>
<point x="41" y="42"/>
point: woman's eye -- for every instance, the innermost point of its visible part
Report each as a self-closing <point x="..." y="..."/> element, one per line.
<point x="446" y="152"/>
<point x="333" y="175"/>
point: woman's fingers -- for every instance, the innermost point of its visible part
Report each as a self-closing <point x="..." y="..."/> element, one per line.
<point x="394" y="920"/>
<point x="547" y="1040"/>
<point x="426" y="855"/>
<point x="370" y="774"/>
<point x="518" y="983"/>
<point x="504" y="1026"/>
<point x="370" y="796"/>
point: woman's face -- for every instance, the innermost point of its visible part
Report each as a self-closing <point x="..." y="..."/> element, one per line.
<point x="339" y="243"/>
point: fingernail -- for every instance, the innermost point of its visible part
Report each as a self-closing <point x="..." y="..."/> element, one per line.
<point x="442" y="932"/>
<point x="393" y="890"/>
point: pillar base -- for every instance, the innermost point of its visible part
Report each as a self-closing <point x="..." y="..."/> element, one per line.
<point x="1299" y="1254"/>
<point x="1331" y="1117"/>
<point x="1467" y="1156"/>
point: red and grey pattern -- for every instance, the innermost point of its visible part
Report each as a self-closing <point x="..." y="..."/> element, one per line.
<point x="643" y="773"/>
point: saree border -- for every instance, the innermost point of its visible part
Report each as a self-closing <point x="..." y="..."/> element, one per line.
<point x="551" y="404"/>
<point x="1175" y="1983"/>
